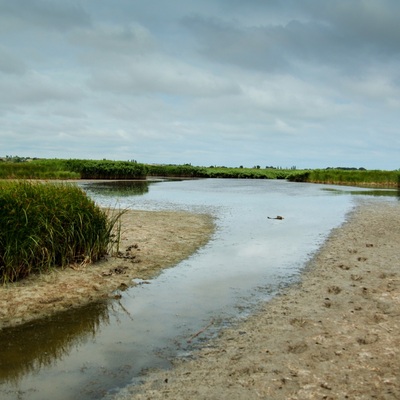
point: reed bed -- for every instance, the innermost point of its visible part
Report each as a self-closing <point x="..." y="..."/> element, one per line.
<point x="248" y="173"/>
<point x="372" y="178"/>
<point x="37" y="169"/>
<point x="131" y="170"/>
<point x="189" y="171"/>
<point x="106" y="169"/>
<point x="176" y="171"/>
<point x="44" y="226"/>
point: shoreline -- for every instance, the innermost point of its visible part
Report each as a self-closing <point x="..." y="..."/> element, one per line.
<point x="333" y="335"/>
<point x="141" y="257"/>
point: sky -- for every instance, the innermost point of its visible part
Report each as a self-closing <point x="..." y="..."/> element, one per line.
<point x="284" y="83"/>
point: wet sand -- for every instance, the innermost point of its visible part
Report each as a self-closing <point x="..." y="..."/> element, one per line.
<point x="150" y="242"/>
<point x="334" y="335"/>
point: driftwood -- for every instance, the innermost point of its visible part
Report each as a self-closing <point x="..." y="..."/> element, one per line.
<point x="200" y="331"/>
<point x="277" y="217"/>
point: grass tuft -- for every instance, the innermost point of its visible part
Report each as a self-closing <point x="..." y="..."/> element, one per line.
<point x="44" y="226"/>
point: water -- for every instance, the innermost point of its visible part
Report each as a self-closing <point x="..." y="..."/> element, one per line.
<point x="94" y="351"/>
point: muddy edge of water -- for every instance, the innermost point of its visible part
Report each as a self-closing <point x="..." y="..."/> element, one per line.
<point x="150" y="242"/>
<point x="334" y="335"/>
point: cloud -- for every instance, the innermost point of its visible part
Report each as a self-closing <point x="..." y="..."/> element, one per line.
<point x="214" y="82"/>
<point x="42" y="14"/>
<point x="34" y="88"/>
<point x="348" y="36"/>
<point x="117" y="40"/>
<point x="163" y="75"/>
<point x="131" y="61"/>
<point x="10" y="63"/>
<point x="371" y="24"/>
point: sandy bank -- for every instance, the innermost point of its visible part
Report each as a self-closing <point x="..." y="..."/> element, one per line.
<point x="335" y="335"/>
<point x="150" y="241"/>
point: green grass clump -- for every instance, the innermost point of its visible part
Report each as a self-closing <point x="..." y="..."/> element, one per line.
<point x="49" y="225"/>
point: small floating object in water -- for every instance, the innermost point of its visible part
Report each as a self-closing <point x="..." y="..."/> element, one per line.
<point x="277" y="217"/>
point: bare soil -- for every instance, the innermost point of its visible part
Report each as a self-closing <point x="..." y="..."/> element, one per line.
<point x="150" y="241"/>
<point x="335" y="335"/>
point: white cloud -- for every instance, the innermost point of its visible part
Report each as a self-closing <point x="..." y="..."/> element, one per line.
<point x="160" y="74"/>
<point x="306" y="83"/>
<point x="35" y="88"/>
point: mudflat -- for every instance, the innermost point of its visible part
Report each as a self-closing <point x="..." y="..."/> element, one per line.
<point x="150" y="242"/>
<point x="334" y="335"/>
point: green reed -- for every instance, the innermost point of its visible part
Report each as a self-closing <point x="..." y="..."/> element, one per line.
<point x="44" y="226"/>
<point x="373" y="178"/>
<point x="37" y="169"/>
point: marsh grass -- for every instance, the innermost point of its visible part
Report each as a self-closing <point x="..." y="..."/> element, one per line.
<point x="107" y="169"/>
<point x="37" y="169"/>
<point x="44" y="226"/>
<point x="248" y="173"/>
<point x="376" y="178"/>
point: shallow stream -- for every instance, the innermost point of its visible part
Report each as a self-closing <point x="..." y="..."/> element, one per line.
<point x="95" y="351"/>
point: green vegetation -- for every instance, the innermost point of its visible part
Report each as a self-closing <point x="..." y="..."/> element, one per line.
<point x="36" y="169"/>
<point x="248" y="173"/>
<point x="71" y="169"/>
<point x="118" y="188"/>
<point x="44" y="226"/>
<point x="105" y="169"/>
<point x="189" y="171"/>
<point x="25" y="168"/>
<point x="176" y="171"/>
<point x="351" y="177"/>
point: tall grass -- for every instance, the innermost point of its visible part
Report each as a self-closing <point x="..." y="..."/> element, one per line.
<point x="49" y="225"/>
<point x="72" y="169"/>
<point x="248" y="173"/>
<point x="106" y="169"/>
<point x="36" y="169"/>
<point x="128" y="170"/>
<point x="176" y="171"/>
<point x="189" y="171"/>
<point x="373" y="178"/>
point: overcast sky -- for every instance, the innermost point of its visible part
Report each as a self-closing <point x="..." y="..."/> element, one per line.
<point x="305" y="83"/>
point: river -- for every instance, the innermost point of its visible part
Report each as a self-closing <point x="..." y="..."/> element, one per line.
<point x="95" y="351"/>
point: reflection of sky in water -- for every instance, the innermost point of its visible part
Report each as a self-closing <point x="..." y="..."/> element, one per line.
<point x="248" y="259"/>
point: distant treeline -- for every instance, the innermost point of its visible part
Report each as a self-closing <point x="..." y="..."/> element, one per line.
<point x="125" y="170"/>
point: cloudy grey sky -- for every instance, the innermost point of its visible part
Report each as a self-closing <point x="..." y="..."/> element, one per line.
<point x="305" y="83"/>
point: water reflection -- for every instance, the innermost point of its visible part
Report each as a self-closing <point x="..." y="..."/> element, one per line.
<point x="366" y="192"/>
<point x="84" y="353"/>
<point x="34" y="345"/>
<point x="118" y="188"/>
